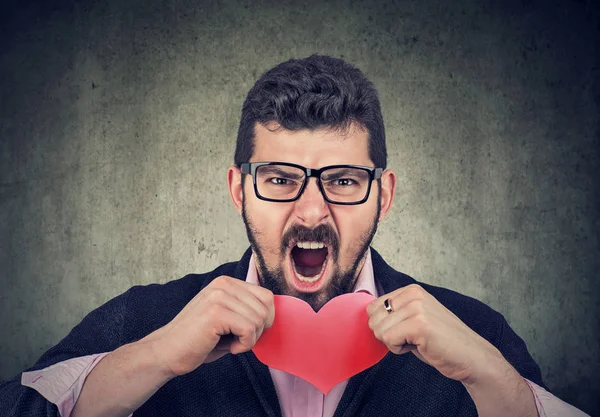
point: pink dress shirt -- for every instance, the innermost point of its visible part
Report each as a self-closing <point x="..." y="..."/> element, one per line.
<point x="61" y="383"/>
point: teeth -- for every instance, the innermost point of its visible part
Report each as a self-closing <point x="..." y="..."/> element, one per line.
<point x="310" y="245"/>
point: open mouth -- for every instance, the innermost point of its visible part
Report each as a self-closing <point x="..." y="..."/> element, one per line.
<point x="309" y="261"/>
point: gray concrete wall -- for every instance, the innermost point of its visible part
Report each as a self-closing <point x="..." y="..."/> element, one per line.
<point x="118" y="121"/>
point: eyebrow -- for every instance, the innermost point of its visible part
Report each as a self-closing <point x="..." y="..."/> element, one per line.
<point x="269" y="169"/>
<point x="341" y="173"/>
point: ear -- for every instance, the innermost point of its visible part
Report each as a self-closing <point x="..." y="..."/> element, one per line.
<point x="388" y="190"/>
<point x="234" y="181"/>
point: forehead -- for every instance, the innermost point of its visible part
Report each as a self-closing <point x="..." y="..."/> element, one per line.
<point x="311" y="148"/>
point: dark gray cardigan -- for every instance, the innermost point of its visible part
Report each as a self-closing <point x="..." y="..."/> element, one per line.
<point x="239" y="385"/>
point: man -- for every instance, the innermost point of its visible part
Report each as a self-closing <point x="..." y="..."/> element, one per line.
<point x="311" y="184"/>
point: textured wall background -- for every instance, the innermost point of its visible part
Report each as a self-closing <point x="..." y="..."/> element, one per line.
<point x="118" y="121"/>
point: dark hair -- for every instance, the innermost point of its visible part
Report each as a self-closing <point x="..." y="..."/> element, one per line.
<point x="318" y="91"/>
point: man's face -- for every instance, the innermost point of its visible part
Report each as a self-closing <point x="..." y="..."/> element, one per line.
<point x="277" y="230"/>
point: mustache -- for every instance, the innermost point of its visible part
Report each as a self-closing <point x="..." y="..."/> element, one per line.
<point x="322" y="233"/>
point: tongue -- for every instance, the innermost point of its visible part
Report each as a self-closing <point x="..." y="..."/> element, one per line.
<point x="309" y="257"/>
<point x="309" y="261"/>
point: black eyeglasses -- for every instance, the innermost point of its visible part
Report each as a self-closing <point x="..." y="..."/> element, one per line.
<point x="284" y="182"/>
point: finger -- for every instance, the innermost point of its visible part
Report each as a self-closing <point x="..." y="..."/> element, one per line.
<point x="411" y="295"/>
<point x="244" y="330"/>
<point x="415" y="352"/>
<point x="413" y="299"/>
<point x="225" y="342"/>
<point x="382" y="321"/>
<point x="238" y="305"/>
<point x="405" y="293"/>
<point x="263" y="296"/>
<point x="375" y="305"/>
<point x="400" y="327"/>
<point x="397" y="336"/>
<point x="380" y="314"/>
<point x="413" y="311"/>
<point x="379" y="304"/>
<point x="377" y="314"/>
<point x="264" y="311"/>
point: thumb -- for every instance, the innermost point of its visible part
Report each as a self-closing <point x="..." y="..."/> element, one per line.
<point x="415" y="352"/>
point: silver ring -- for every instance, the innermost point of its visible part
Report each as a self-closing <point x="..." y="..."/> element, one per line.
<point x="388" y="305"/>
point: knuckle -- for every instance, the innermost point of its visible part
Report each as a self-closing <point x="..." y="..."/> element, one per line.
<point x="410" y="337"/>
<point x="218" y="280"/>
<point x="371" y="323"/>
<point x="415" y="307"/>
<point x="269" y="304"/>
<point x="371" y="308"/>
<point x="222" y="281"/>
<point x="255" y="320"/>
<point x="412" y="287"/>
<point x="263" y="315"/>
<point x="267" y="298"/>
<point x="214" y="311"/>
<point x="386" y="338"/>
<point x="216" y="294"/>
<point x="420" y="321"/>
<point x="247" y="329"/>
<point x="414" y="291"/>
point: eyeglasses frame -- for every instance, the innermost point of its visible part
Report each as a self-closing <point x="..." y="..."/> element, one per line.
<point x="251" y="167"/>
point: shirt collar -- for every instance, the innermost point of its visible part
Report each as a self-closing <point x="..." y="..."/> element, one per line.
<point x="364" y="283"/>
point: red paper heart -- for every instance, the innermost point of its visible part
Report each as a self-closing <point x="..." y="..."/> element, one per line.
<point x="323" y="348"/>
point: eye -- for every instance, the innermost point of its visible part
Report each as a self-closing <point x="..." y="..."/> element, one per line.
<point x="343" y="182"/>
<point x="280" y="181"/>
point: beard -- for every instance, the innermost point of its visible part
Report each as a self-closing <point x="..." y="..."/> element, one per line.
<point x="341" y="281"/>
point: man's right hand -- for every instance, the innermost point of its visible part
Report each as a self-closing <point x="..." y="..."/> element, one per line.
<point x="227" y="316"/>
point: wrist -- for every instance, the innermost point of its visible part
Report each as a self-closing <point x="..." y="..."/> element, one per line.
<point x="490" y="368"/>
<point x="497" y="389"/>
<point x="151" y="347"/>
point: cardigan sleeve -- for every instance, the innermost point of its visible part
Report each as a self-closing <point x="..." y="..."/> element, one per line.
<point x="515" y="352"/>
<point x="100" y="331"/>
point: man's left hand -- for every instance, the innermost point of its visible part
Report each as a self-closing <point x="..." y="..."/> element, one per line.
<point x="420" y="324"/>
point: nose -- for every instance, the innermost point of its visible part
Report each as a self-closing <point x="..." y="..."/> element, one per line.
<point x="311" y="208"/>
